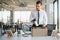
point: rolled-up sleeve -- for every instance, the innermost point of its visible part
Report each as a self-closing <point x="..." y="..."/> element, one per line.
<point x="45" y="18"/>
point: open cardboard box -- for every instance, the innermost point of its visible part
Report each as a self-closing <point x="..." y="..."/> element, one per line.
<point x="39" y="32"/>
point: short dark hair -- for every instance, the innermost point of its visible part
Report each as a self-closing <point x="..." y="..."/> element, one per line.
<point x="39" y="2"/>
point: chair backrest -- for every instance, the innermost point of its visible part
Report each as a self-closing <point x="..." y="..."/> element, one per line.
<point x="51" y="26"/>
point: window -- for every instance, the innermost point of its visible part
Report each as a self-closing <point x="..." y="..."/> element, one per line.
<point x="22" y="16"/>
<point x="4" y="16"/>
<point x="55" y="13"/>
<point x="0" y="16"/>
<point x="59" y="15"/>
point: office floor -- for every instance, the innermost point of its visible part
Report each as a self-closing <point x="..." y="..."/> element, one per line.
<point x="20" y="37"/>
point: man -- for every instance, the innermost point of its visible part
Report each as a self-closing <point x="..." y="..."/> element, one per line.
<point x="39" y="15"/>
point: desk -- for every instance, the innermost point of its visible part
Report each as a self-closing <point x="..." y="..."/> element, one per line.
<point x="4" y="37"/>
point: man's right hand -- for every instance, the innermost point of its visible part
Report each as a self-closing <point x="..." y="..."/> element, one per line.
<point x="33" y="21"/>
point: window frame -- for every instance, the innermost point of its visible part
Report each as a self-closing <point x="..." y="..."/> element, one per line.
<point x="57" y="14"/>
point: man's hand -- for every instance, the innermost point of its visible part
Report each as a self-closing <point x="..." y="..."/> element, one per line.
<point x="44" y="26"/>
<point x="33" y="21"/>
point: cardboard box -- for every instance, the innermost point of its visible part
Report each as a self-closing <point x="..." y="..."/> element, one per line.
<point x="39" y="32"/>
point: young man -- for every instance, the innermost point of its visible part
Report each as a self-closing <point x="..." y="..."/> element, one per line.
<point x="39" y="15"/>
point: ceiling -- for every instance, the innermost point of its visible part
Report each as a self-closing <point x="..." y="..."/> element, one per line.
<point x="20" y="4"/>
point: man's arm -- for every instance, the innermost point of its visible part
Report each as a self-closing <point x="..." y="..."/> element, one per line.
<point x="45" y="20"/>
<point x="32" y="18"/>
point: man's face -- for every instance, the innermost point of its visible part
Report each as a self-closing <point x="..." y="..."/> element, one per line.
<point x="38" y="6"/>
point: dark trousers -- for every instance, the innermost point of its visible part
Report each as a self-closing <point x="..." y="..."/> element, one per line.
<point x="49" y="32"/>
<point x="16" y="28"/>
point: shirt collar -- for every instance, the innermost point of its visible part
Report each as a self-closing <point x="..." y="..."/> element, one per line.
<point x="39" y="10"/>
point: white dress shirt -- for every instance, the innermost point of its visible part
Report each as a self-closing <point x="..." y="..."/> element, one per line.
<point x="42" y="17"/>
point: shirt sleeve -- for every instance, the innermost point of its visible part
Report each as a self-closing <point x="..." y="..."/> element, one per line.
<point x="32" y="16"/>
<point x="45" y="18"/>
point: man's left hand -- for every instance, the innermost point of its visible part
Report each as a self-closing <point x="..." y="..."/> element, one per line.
<point x="44" y="26"/>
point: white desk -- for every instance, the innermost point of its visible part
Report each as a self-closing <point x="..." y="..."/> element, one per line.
<point x="15" y="37"/>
